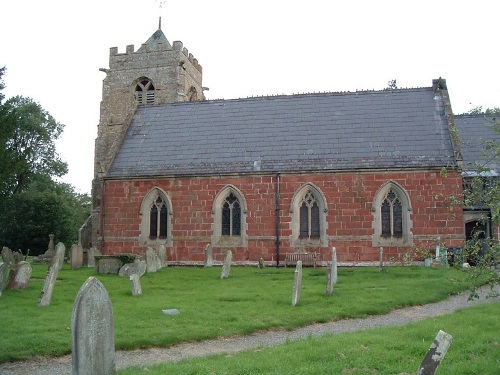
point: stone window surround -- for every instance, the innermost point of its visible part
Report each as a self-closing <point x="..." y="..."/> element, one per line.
<point x="146" y="100"/>
<point x="407" y="238"/>
<point x="228" y="241"/>
<point x="303" y="244"/>
<point x="150" y="197"/>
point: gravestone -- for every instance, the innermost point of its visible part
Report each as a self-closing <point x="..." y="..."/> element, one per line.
<point x="129" y="269"/>
<point x="209" y="259"/>
<point x="60" y="252"/>
<point x="50" y="282"/>
<point x="135" y="284"/>
<point x="334" y="266"/>
<point x="49" y="254"/>
<point x="329" y="279"/>
<point x="297" y="283"/>
<point x="151" y="263"/>
<point x="261" y="263"/>
<point x="91" y="254"/>
<point x="8" y="256"/>
<point x="435" y="354"/>
<point x="108" y="265"/>
<point x="4" y="271"/>
<point x="381" y="259"/>
<point x="19" y="276"/>
<point x="162" y="254"/>
<point x="18" y="256"/>
<point x="76" y="256"/>
<point x="226" y="267"/>
<point x="92" y="328"/>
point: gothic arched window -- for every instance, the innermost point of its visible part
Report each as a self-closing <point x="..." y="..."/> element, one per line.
<point x="156" y="219"/>
<point x="229" y="210"/>
<point x="309" y="217"/>
<point x="231" y="216"/>
<point x="145" y="91"/>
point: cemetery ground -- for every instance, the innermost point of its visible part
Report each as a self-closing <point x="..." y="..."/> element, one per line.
<point x="252" y="300"/>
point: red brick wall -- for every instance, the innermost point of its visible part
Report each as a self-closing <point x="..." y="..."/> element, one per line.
<point x="349" y="199"/>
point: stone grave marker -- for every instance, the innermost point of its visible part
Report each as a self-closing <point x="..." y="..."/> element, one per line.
<point x="8" y="256"/>
<point x="19" y="276"/>
<point x="334" y="266"/>
<point x="50" y="282"/>
<point x="162" y="254"/>
<point x="135" y="284"/>
<point x="4" y="271"/>
<point x="91" y="254"/>
<point x="435" y="354"/>
<point x="92" y="328"/>
<point x="60" y="252"/>
<point x="151" y="263"/>
<point x="76" y="256"/>
<point x="381" y="259"/>
<point x="209" y="259"/>
<point x="18" y="256"/>
<point x="129" y="269"/>
<point x="329" y="279"/>
<point x="261" y="263"/>
<point x="49" y="254"/>
<point x="297" y="283"/>
<point x="226" y="267"/>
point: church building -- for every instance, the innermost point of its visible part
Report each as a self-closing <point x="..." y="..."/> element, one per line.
<point x="267" y="176"/>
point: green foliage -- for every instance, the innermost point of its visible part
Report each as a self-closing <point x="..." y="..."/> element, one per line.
<point x="250" y="300"/>
<point x="488" y="111"/>
<point x="2" y="84"/>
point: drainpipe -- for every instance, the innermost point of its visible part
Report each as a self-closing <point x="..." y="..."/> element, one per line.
<point x="277" y="220"/>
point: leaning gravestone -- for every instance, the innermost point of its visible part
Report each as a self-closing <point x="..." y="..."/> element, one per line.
<point x="4" y="270"/>
<point x="135" y="284"/>
<point x="209" y="260"/>
<point x="129" y="269"/>
<point x="76" y="256"/>
<point x="50" y="282"/>
<point x="435" y="354"/>
<point x="92" y="327"/>
<point x="18" y="256"/>
<point x="60" y="252"/>
<point x="162" y="254"/>
<point x="8" y="256"/>
<point x="91" y="254"/>
<point x="19" y="276"/>
<point x="297" y="283"/>
<point x="226" y="267"/>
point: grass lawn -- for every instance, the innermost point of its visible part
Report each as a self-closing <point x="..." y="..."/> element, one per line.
<point x="396" y="350"/>
<point x="251" y="299"/>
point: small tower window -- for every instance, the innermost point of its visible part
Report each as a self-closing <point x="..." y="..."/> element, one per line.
<point x="145" y="92"/>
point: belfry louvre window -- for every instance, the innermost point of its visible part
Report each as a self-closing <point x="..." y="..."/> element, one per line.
<point x="391" y="213"/>
<point x="309" y="217"/>
<point x="231" y="216"/>
<point x="145" y="92"/>
<point x="158" y="218"/>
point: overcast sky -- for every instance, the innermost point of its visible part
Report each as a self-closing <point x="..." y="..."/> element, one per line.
<point x="53" y="50"/>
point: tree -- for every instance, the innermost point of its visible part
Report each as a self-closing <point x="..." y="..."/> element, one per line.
<point x="28" y="144"/>
<point x="2" y="84"/>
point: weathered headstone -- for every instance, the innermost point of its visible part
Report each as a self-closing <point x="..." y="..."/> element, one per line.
<point x="76" y="256"/>
<point x="261" y="263"/>
<point x="8" y="256"/>
<point x="297" y="283"/>
<point x="435" y="354"/>
<point x="381" y="259"/>
<point x="171" y="312"/>
<point x="162" y="254"/>
<point x="4" y="271"/>
<point x="329" y="279"/>
<point x="91" y="254"/>
<point x="19" y="276"/>
<point x="209" y="260"/>
<point x="151" y="264"/>
<point x="61" y="252"/>
<point x="129" y="269"/>
<point x="226" y="267"/>
<point x="135" y="284"/>
<point x="92" y="327"/>
<point x="108" y="265"/>
<point x="50" y="282"/>
<point x="18" y="256"/>
<point x="334" y="266"/>
<point x="49" y="254"/>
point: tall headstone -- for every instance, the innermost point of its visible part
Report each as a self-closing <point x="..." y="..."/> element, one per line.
<point x="8" y="256"/>
<point x="435" y="354"/>
<point x="381" y="259"/>
<point x="50" y="282"/>
<point x="60" y="252"/>
<point x="209" y="259"/>
<point x="91" y="254"/>
<point x="76" y="256"/>
<point x="297" y="283"/>
<point x="19" y="276"/>
<point x="92" y="328"/>
<point x="151" y="263"/>
<point x="329" y="279"/>
<point x="162" y="254"/>
<point x="334" y="266"/>
<point x="135" y="284"/>
<point x="226" y="267"/>
<point x="4" y="271"/>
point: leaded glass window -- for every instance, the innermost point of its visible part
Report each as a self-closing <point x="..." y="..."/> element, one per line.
<point x="158" y="218"/>
<point x="392" y="215"/>
<point x="231" y="216"/>
<point x="309" y="217"/>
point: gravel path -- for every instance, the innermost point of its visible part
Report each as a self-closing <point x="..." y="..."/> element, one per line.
<point x="124" y="359"/>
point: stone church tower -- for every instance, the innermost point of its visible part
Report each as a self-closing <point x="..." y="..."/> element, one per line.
<point x="157" y="73"/>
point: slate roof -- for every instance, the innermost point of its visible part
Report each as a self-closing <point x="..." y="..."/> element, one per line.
<point x="403" y="128"/>
<point x="476" y="132"/>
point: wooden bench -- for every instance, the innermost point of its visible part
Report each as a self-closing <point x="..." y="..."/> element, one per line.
<point x="309" y="258"/>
